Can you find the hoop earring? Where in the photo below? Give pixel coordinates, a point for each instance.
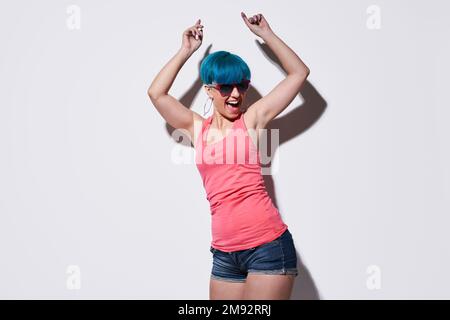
(205, 112)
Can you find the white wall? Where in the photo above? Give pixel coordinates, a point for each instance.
(87, 179)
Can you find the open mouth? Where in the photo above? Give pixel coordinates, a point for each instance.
(233, 103)
(233, 106)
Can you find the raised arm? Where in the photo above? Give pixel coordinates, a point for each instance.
(173, 111)
(269, 106)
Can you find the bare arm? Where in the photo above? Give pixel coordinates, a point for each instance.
(268, 107)
(173, 111)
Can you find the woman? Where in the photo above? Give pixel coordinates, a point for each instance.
(253, 251)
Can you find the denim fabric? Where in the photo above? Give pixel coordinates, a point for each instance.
(275, 257)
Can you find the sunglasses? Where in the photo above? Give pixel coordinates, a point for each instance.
(227, 89)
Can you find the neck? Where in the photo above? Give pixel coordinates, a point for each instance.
(221, 122)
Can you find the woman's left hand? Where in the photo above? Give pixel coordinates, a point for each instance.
(257, 24)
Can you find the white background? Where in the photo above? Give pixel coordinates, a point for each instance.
(87, 178)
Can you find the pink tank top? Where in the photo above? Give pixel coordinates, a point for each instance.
(243, 215)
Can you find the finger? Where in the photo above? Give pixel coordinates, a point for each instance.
(197, 34)
(247, 22)
(200, 34)
(196, 24)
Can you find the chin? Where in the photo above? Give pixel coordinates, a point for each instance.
(235, 111)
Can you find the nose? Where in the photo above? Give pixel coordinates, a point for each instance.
(235, 93)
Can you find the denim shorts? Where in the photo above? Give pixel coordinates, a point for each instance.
(274, 257)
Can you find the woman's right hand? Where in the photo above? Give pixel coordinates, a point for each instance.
(193, 37)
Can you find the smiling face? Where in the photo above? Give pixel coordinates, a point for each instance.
(230, 106)
(217, 72)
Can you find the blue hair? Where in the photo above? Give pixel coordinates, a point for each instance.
(224, 67)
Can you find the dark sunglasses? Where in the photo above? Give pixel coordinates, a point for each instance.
(227, 89)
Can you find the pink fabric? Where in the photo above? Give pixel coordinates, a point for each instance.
(243, 215)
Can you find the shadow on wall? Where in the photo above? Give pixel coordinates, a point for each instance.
(290, 125)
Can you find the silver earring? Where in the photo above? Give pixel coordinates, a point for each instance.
(205, 112)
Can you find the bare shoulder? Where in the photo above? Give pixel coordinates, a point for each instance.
(196, 127)
(250, 118)
(251, 122)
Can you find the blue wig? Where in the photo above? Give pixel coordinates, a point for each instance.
(223, 67)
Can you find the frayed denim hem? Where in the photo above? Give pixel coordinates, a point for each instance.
(289, 271)
(227, 279)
